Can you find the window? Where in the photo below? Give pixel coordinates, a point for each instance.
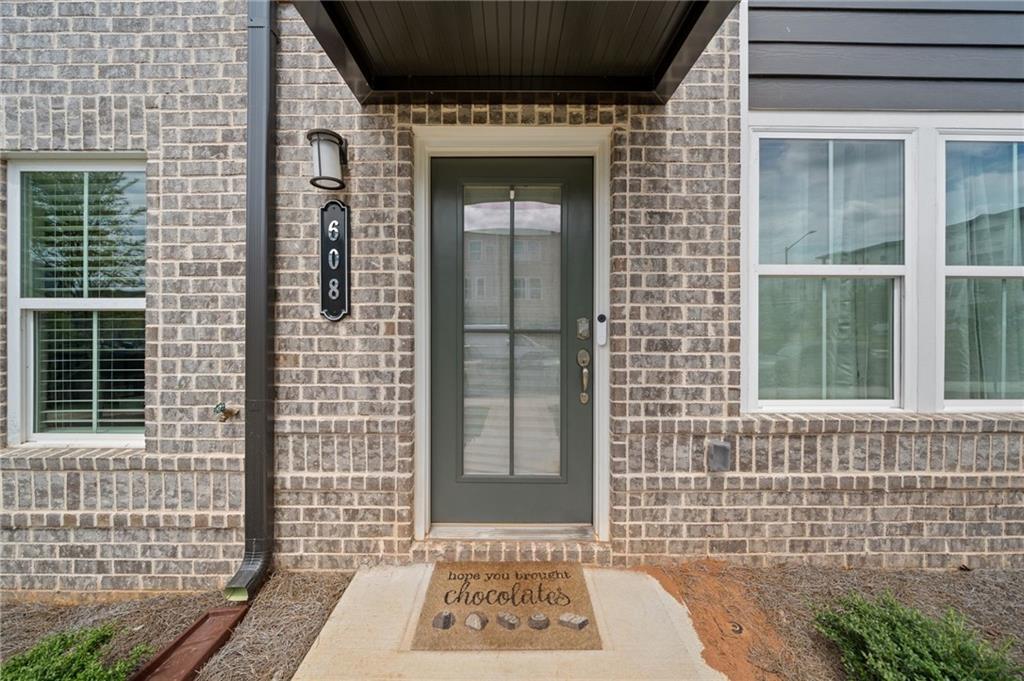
(77, 260)
(883, 262)
(984, 270)
(830, 268)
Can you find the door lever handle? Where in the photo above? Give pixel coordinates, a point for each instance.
(583, 360)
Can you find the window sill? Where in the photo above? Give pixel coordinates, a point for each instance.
(87, 440)
(37, 457)
(764, 423)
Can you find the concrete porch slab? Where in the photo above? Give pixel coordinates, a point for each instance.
(646, 634)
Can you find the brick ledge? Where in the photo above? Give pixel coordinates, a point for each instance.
(36, 458)
(814, 424)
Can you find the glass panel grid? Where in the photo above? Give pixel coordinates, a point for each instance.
(823, 203)
(512, 260)
(984, 314)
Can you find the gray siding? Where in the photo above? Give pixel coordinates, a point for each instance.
(895, 56)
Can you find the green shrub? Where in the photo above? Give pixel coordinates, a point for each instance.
(883, 640)
(72, 656)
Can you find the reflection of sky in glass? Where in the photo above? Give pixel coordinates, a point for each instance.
(984, 201)
(979, 179)
(537, 209)
(864, 211)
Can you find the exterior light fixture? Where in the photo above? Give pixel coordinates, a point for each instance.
(330, 153)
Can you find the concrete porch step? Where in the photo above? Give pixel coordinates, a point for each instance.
(645, 632)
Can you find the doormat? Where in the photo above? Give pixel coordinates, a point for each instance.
(507, 606)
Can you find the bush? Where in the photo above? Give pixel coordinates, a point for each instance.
(883, 640)
(72, 656)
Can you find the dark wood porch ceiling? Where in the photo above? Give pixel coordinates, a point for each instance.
(635, 50)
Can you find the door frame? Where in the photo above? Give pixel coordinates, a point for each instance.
(496, 140)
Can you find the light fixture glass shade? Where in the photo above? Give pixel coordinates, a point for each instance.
(328, 153)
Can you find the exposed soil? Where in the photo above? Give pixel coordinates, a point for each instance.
(774, 608)
(269, 644)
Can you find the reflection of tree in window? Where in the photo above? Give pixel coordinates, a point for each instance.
(84, 238)
(85, 234)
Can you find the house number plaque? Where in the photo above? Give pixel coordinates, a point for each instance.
(334, 260)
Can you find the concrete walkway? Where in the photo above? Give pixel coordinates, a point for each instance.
(646, 634)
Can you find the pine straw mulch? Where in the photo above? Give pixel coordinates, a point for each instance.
(279, 628)
(774, 608)
(268, 645)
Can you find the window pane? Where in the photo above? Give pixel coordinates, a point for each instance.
(831, 202)
(487, 218)
(121, 371)
(485, 403)
(117, 234)
(984, 338)
(89, 371)
(64, 368)
(53, 231)
(984, 203)
(825, 338)
(538, 448)
(538, 257)
(83, 234)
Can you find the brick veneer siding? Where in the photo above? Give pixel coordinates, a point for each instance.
(168, 78)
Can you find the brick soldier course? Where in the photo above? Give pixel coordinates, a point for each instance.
(168, 79)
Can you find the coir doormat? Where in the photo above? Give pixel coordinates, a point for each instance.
(507, 606)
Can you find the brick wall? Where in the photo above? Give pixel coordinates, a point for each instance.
(168, 78)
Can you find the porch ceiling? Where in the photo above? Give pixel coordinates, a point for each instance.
(635, 50)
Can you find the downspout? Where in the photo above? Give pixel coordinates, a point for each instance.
(259, 300)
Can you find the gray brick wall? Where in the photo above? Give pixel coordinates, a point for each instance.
(168, 78)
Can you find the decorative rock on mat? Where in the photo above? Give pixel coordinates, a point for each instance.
(476, 620)
(444, 620)
(508, 620)
(577, 622)
(539, 621)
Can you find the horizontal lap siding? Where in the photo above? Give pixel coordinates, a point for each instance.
(901, 56)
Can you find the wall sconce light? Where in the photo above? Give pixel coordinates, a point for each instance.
(330, 153)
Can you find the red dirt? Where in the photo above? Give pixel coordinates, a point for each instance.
(738, 639)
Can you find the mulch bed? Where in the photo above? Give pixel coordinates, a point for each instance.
(774, 608)
(279, 628)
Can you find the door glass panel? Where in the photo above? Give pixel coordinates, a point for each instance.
(486, 226)
(486, 413)
(537, 404)
(537, 257)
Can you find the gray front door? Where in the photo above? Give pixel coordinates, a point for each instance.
(511, 344)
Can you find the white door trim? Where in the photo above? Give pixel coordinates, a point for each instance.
(484, 140)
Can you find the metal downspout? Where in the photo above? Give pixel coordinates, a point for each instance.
(259, 300)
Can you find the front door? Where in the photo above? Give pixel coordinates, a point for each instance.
(511, 343)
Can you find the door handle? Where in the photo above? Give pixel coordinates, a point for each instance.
(583, 360)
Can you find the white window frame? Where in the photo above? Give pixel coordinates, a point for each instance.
(21, 320)
(919, 355)
(954, 135)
